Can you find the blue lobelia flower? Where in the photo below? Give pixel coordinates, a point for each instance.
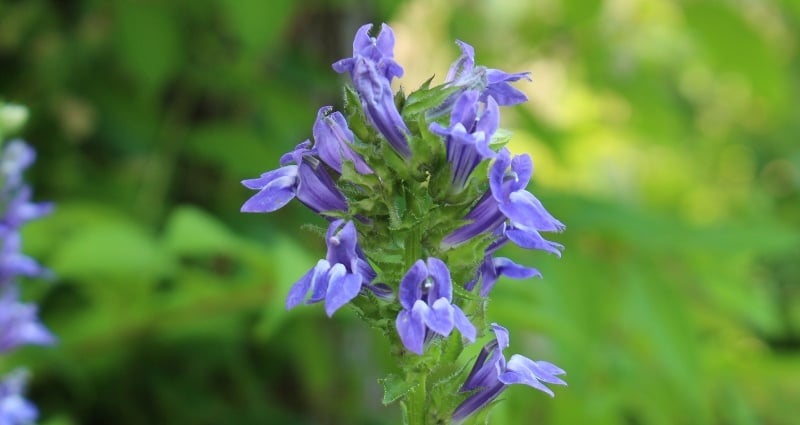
(372, 68)
(491, 374)
(472, 124)
(508, 206)
(426, 294)
(490, 82)
(13, 262)
(493, 267)
(14, 408)
(333, 139)
(19, 324)
(301, 175)
(340, 276)
(378, 50)
(16, 157)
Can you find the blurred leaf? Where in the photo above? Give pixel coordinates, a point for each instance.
(148, 40)
(191, 231)
(116, 250)
(258, 23)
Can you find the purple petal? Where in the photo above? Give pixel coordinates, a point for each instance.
(410, 285)
(269, 176)
(522, 167)
(442, 287)
(484, 217)
(295, 156)
(490, 119)
(465, 110)
(19, 324)
(465, 63)
(439, 317)
(362, 41)
(506, 267)
(272, 197)
(477, 401)
(499, 88)
(523, 208)
(463, 324)
(333, 139)
(319, 282)
(531, 239)
(379, 107)
(341, 242)
(501, 334)
(522, 370)
(14, 408)
(497, 174)
(385, 41)
(317, 190)
(342, 287)
(299, 290)
(411, 330)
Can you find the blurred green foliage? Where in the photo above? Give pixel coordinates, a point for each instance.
(665, 137)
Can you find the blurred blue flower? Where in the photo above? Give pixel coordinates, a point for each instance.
(302, 175)
(491, 374)
(14, 408)
(16, 157)
(19, 324)
(426, 294)
(340, 276)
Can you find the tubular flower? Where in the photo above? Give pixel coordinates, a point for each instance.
(491, 374)
(490, 82)
(508, 201)
(333, 140)
(472, 125)
(372, 68)
(493, 267)
(301, 175)
(378, 50)
(426, 294)
(14, 408)
(339, 277)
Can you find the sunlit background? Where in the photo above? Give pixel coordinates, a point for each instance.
(665, 134)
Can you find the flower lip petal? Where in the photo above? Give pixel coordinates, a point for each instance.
(463, 324)
(342, 287)
(272, 197)
(411, 330)
(439, 317)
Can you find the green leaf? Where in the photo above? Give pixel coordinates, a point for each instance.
(425, 99)
(395, 388)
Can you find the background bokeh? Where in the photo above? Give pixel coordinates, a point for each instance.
(666, 135)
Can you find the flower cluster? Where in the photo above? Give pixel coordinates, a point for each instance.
(419, 193)
(19, 323)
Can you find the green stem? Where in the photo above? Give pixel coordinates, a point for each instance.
(417, 400)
